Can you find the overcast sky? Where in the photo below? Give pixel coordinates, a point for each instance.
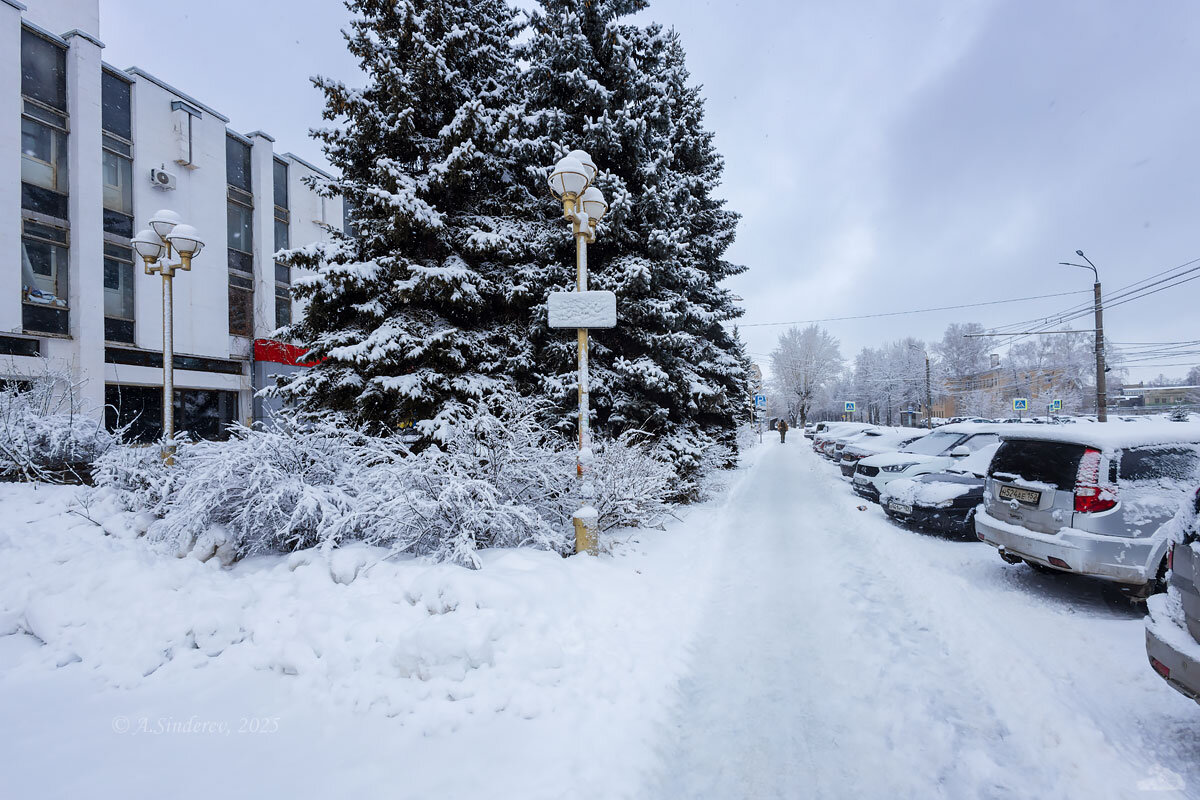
(885, 155)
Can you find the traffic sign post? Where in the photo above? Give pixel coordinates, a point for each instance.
(1056, 405)
(1020, 404)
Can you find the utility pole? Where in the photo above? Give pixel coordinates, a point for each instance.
(1101, 379)
(928, 396)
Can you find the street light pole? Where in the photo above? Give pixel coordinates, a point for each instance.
(583, 206)
(167, 234)
(1101, 378)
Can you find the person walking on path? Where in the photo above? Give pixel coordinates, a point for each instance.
(782, 426)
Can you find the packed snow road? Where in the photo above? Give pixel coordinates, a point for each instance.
(843, 656)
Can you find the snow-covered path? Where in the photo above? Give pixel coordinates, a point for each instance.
(842, 656)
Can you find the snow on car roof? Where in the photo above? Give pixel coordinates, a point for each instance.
(1110, 435)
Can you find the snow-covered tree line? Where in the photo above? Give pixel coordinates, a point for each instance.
(438, 299)
(810, 379)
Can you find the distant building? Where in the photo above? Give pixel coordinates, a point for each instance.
(1162, 396)
(88, 152)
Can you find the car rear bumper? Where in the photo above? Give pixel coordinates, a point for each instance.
(939, 520)
(1112, 558)
(1174, 649)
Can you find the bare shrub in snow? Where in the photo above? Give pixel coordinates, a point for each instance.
(500, 478)
(274, 488)
(45, 433)
(632, 485)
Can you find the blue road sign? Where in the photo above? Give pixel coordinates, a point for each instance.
(760, 401)
(1056, 405)
(850, 406)
(1020, 404)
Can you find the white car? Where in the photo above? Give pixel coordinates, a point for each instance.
(874, 442)
(934, 452)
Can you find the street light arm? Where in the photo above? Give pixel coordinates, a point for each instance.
(1089, 265)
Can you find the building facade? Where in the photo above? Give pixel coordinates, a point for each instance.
(88, 153)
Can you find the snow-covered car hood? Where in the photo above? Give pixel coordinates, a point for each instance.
(887, 459)
(931, 491)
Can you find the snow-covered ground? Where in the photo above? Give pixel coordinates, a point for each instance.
(777, 642)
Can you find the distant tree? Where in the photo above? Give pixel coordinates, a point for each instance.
(1193, 377)
(803, 363)
(962, 356)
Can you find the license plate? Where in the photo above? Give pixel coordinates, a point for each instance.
(861, 479)
(900, 508)
(1020, 495)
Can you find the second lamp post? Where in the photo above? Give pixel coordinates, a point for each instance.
(166, 233)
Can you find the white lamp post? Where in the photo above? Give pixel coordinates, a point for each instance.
(166, 233)
(583, 206)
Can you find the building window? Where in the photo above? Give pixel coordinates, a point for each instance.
(240, 232)
(237, 164)
(202, 413)
(44, 168)
(43, 70)
(117, 155)
(118, 293)
(44, 278)
(283, 273)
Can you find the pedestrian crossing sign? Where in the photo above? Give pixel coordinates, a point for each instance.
(850, 406)
(1056, 405)
(1020, 404)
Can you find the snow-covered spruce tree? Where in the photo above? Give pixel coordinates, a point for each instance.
(420, 313)
(621, 92)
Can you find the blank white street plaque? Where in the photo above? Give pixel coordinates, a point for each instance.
(583, 310)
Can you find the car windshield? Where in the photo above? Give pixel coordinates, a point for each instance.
(932, 444)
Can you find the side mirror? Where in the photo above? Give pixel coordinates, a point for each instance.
(960, 452)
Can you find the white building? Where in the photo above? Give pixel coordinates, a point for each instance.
(88, 153)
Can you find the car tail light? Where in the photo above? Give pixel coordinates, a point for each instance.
(1171, 556)
(1058, 562)
(1090, 496)
(1160, 667)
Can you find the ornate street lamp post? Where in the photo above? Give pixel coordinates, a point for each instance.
(583, 207)
(166, 233)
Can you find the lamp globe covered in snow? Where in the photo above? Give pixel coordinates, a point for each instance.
(583, 205)
(167, 233)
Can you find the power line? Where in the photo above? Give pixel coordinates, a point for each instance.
(913, 311)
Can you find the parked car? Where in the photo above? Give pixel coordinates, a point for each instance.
(1173, 626)
(1089, 499)
(810, 430)
(835, 447)
(874, 442)
(931, 453)
(941, 502)
(835, 430)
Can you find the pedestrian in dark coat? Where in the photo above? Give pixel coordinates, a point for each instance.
(783, 426)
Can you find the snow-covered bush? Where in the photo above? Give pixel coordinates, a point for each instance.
(501, 478)
(280, 487)
(632, 486)
(137, 476)
(45, 434)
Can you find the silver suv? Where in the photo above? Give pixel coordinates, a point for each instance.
(1089, 499)
(1173, 627)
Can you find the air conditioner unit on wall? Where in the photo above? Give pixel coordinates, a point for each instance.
(162, 179)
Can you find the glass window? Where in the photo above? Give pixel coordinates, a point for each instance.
(43, 156)
(1175, 463)
(281, 235)
(118, 282)
(977, 443)
(44, 279)
(43, 70)
(283, 306)
(280, 178)
(237, 164)
(933, 444)
(1056, 463)
(241, 308)
(43, 273)
(118, 183)
(205, 414)
(283, 273)
(114, 96)
(241, 228)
